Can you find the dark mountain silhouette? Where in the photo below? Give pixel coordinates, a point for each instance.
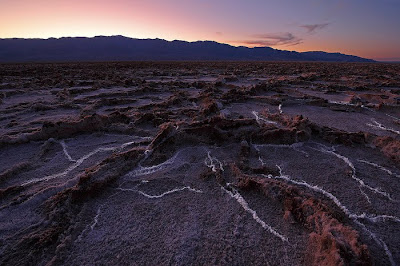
(119, 48)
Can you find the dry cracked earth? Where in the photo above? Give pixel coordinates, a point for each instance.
(200, 163)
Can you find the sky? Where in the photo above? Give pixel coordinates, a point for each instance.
(367, 28)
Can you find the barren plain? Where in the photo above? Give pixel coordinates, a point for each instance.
(184, 163)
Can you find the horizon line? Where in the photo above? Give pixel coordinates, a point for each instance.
(387, 60)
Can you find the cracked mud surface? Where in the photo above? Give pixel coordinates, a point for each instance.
(200, 163)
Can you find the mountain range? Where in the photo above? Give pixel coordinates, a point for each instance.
(120, 48)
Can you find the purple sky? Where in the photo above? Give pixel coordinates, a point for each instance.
(368, 28)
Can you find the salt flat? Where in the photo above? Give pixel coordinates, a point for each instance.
(200, 163)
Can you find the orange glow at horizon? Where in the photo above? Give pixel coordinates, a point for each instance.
(187, 20)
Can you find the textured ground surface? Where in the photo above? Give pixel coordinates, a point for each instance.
(200, 163)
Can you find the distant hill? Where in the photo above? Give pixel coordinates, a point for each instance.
(119, 48)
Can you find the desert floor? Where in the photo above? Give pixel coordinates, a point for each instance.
(189, 163)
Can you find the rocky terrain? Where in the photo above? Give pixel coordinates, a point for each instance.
(200, 163)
